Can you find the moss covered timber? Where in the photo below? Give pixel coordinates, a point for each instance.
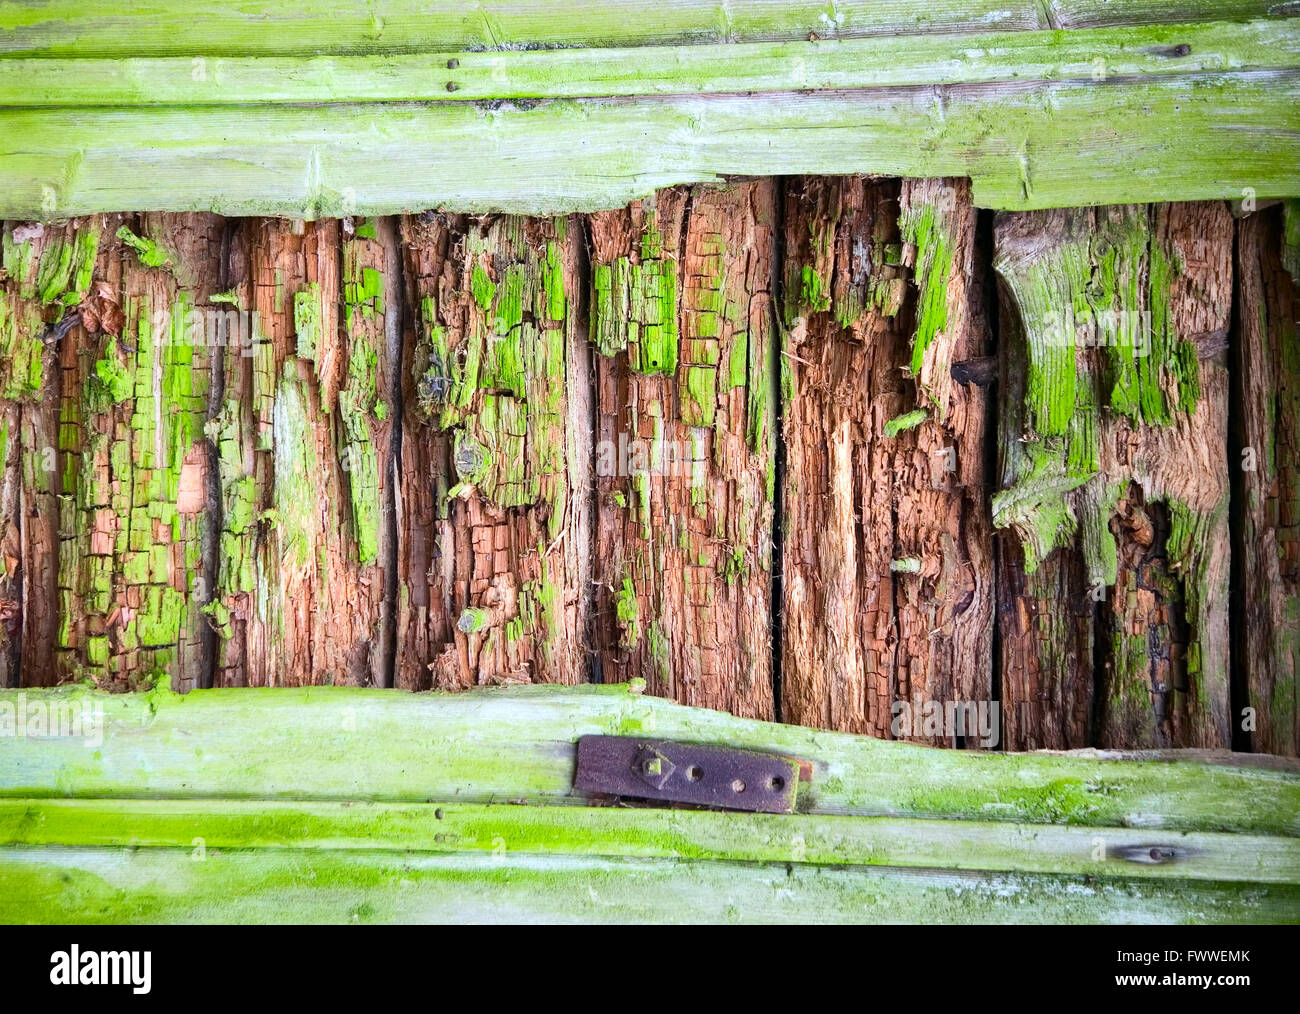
(683, 331)
(886, 565)
(1266, 376)
(303, 449)
(112, 546)
(494, 540)
(1113, 456)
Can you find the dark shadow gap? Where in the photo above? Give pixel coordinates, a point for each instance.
(776, 586)
(1238, 675)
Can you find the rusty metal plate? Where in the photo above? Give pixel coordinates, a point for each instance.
(687, 773)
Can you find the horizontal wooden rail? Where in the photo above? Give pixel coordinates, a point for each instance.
(649, 833)
(195, 884)
(503, 745)
(323, 804)
(1095, 54)
(529, 108)
(312, 27)
(1030, 145)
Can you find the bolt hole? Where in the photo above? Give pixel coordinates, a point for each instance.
(737, 786)
(438, 813)
(695, 772)
(776, 783)
(453, 63)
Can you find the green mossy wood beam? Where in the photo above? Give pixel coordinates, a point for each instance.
(1176, 111)
(261, 806)
(1221, 47)
(362, 27)
(503, 744)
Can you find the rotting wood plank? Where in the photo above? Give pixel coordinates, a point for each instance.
(303, 440)
(1024, 145)
(494, 531)
(133, 576)
(38, 272)
(111, 402)
(1266, 369)
(293, 27)
(684, 334)
(887, 574)
(11, 573)
(1113, 455)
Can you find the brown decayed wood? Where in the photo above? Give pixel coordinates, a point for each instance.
(1266, 371)
(887, 573)
(682, 320)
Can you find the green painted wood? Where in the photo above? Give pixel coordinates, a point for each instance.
(307, 27)
(508, 744)
(1025, 146)
(1261, 44)
(191, 885)
(651, 833)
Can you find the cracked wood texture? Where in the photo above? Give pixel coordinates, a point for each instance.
(302, 432)
(683, 329)
(1267, 378)
(1114, 476)
(494, 522)
(887, 576)
(735, 440)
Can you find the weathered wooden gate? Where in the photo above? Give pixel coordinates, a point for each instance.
(822, 365)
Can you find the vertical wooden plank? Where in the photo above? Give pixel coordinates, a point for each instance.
(1045, 614)
(887, 573)
(1113, 448)
(47, 271)
(11, 573)
(685, 454)
(945, 610)
(493, 535)
(426, 614)
(133, 576)
(364, 418)
(302, 432)
(1266, 371)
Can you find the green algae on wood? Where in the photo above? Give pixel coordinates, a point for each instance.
(494, 521)
(155, 886)
(292, 27)
(728, 68)
(132, 572)
(451, 827)
(494, 745)
(1113, 437)
(1180, 137)
(683, 331)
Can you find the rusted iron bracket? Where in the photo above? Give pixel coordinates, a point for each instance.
(687, 773)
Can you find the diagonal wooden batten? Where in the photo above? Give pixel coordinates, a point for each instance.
(517, 743)
(909, 60)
